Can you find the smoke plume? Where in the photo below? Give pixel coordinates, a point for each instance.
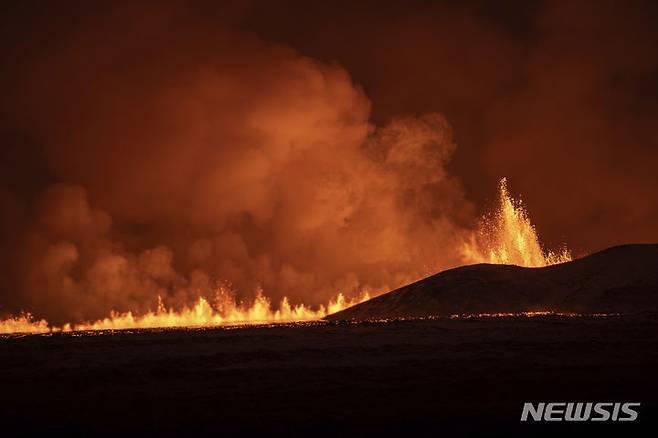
(163, 149)
(176, 158)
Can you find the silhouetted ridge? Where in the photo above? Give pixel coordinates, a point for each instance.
(620, 279)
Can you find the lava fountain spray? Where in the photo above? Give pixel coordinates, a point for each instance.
(505, 236)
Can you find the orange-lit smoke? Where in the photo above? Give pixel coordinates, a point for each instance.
(505, 236)
(174, 159)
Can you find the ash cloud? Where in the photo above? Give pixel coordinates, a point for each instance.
(560, 97)
(159, 149)
(178, 156)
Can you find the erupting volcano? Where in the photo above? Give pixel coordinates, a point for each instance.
(370, 218)
(504, 236)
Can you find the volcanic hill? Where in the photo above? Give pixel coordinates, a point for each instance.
(621, 279)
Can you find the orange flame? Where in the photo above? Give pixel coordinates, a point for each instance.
(201, 314)
(24, 323)
(505, 237)
(508, 237)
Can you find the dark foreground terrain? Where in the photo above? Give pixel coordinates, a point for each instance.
(423, 377)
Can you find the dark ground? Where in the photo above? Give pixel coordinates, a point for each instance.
(423, 377)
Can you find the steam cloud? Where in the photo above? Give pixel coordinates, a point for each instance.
(180, 164)
(160, 149)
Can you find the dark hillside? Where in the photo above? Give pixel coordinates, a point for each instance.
(621, 279)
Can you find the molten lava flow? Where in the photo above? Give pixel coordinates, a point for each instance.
(508, 237)
(203, 314)
(505, 237)
(24, 323)
(224, 311)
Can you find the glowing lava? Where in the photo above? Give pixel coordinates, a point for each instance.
(24, 323)
(508, 237)
(201, 314)
(504, 237)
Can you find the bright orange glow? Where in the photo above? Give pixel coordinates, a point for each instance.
(528, 314)
(508, 237)
(505, 237)
(202, 314)
(24, 323)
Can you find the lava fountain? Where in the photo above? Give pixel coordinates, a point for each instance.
(505, 236)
